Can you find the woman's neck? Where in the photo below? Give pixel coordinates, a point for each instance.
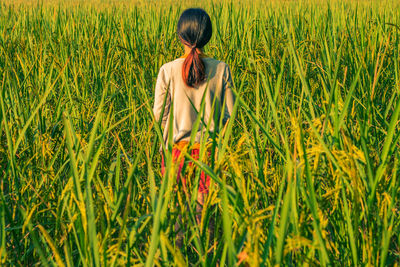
(188, 49)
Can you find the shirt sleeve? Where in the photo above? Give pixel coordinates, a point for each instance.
(162, 94)
(228, 97)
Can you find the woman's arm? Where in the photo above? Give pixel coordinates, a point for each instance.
(162, 95)
(228, 98)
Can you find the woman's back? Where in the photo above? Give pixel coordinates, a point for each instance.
(187, 100)
(188, 89)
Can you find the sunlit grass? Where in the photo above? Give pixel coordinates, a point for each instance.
(306, 171)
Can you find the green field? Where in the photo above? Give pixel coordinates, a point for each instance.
(306, 172)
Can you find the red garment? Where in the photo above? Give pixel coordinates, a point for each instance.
(204, 182)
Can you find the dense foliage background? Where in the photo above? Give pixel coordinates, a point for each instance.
(305, 173)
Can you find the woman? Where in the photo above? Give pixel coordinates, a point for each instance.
(185, 83)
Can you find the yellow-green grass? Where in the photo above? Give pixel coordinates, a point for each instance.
(305, 173)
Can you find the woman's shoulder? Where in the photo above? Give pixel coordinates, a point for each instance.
(210, 62)
(215, 61)
(216, 65)
(169, 66)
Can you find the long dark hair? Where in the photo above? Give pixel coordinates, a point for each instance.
(194, 30)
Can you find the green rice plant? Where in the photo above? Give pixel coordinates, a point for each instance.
(304, 173)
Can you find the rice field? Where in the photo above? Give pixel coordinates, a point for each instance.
(305, 173)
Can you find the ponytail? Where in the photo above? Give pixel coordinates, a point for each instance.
(193, 70)
(194, 30)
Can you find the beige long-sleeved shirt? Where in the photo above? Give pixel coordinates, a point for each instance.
(186, 101)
